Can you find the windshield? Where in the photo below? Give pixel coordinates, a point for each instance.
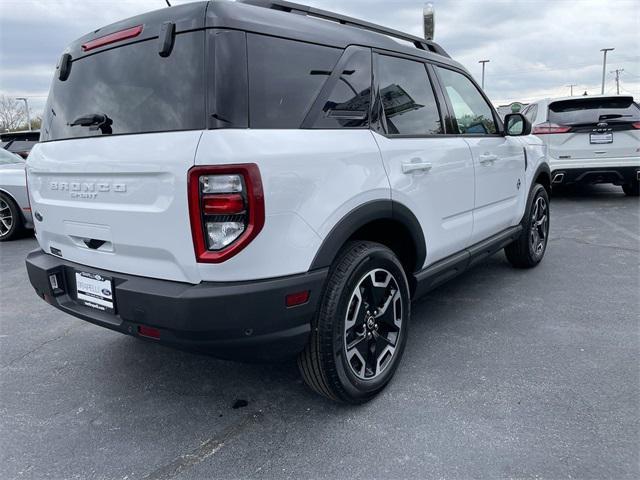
(594, 110)
(7, 158)
(130, 89)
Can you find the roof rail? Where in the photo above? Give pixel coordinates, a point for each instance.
(286, 6)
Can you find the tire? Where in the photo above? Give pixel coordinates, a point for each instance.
(632, 189)
(10, 219)
(365, 277)
(529, 249)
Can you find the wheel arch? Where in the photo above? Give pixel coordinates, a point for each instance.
(543, 177)
(384, 221)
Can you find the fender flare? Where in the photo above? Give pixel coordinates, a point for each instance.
(361, 216)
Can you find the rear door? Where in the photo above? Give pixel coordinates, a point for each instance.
(598, 128)
(113, 194)
(429, 172)
(499, 160)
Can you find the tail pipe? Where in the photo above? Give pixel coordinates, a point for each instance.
(558, 178)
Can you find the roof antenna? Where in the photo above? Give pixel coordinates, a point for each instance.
(429, 21)
(168, 4)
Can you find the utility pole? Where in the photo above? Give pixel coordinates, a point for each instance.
(483, 62)
(26, 106)
(604, 64)
(618, 71)
(571, 87)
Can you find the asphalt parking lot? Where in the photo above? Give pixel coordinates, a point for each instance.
(507, 374)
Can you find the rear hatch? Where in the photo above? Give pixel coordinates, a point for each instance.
(108, 181)
(593, 128)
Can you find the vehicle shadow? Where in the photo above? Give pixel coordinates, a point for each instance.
(574, 191)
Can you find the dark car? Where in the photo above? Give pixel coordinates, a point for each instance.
(20, 143)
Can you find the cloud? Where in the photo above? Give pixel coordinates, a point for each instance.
(536, 48)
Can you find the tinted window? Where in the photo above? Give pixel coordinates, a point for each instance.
(350, 97)
(472, 112)
(21, 146)
(285, 78)
(137, 89)
(408, 100)
(594, 110)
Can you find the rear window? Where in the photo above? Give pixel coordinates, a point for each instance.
(21, 146)
(137, 89)
(285, 77)
(587, 111)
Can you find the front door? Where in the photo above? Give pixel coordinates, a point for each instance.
(499, 160)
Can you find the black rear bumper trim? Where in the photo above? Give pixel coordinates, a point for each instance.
(233, 320)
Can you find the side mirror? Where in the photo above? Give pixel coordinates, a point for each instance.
(516, 125)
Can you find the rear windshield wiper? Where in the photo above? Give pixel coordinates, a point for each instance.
(94, 121)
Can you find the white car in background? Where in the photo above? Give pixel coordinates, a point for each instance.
(15, 213)
(590, 139)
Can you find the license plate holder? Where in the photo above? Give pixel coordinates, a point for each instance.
(601, 138)
(95, 291)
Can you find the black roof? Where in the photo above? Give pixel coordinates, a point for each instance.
(276, 18)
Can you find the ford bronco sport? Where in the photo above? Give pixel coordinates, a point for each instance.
(260, 180)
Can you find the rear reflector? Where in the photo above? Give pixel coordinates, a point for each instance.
(636, 125)
(149, 332)
(223, 204)
(294, 299)
(112, 38)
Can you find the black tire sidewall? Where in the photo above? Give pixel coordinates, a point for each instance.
(375, 257)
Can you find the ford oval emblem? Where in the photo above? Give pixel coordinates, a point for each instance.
(106, 292)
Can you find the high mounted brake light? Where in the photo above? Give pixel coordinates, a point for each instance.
(112, 38)
(549, 128)
(226, 208)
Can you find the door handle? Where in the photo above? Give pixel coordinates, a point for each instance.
(488, 159)
(416, 166)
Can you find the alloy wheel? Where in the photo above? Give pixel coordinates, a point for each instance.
(6, 218)
(373, 324)
(539, 226)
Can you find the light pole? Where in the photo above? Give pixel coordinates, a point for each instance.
(571, 87)
(483, 62)
(26, 106)
(604, 65)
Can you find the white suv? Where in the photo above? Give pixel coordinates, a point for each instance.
(590, 139)
(260, 180)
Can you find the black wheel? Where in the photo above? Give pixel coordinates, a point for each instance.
(529, 249)
(10, 220)
(360, 330)
(632, 189)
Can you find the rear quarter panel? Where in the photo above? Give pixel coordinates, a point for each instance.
(311, 180)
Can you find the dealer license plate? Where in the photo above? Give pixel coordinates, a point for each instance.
(95, 291)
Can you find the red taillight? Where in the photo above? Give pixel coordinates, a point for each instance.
(549, 128)
(112, 38)
(226, 208)
(636, 125)
(149, 332)
(221, 204)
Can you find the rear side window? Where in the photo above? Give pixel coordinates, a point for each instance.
(347, 105)
(135, 88)
(407, 96)
(285, 77)
(472, 112)
(589, 111)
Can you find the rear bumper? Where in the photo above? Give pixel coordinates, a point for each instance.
(236, 320)
(592, 175)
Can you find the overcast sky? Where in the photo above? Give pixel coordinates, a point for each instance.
(536, 47)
